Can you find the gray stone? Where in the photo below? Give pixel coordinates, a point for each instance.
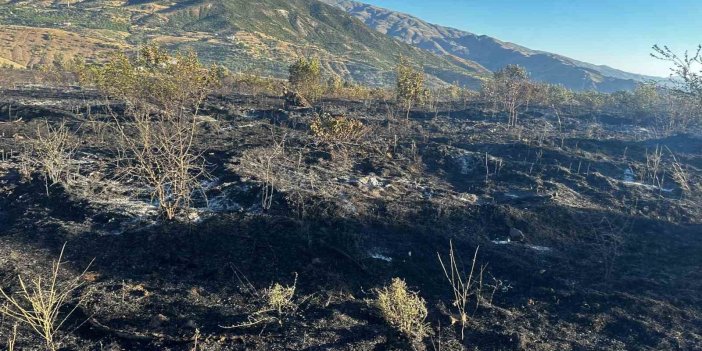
(158, 321)
(516, 235)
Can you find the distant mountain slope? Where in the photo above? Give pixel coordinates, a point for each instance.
(263, 35)
(489, 52)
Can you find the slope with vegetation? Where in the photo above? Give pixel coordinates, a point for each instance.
(149, 201)
(209, 217)
(262, 36)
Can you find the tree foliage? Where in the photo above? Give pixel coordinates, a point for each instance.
(686, 68)
(509, 88)
(686, 72)
(409, 88)
(305, 77)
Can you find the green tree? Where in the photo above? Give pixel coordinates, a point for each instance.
(512, 90)
(305, 77)
(409, 87)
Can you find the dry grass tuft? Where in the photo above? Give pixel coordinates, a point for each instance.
(276, 303)
(465, 287)
(337, 129)
(12, 339)
(39, 302)
(52, 153)
(404, 310)
(280, 298)
(679, 173)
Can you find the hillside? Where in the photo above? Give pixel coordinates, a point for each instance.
(152, 204)
(608, 258)
(490, 52)
(264, 36)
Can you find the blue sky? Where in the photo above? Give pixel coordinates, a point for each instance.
(617, 33)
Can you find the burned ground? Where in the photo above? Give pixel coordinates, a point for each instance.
(610, 260)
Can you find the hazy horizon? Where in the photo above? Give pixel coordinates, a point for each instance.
(603, 32)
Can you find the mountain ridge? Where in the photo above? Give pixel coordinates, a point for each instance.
(356, 41)
(490, 52)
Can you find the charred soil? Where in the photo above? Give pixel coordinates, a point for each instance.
(610, 257)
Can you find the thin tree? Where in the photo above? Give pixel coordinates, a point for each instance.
(513, 90)
(162, 94)
(409, 84)
(686, 68)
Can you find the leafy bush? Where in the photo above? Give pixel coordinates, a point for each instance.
(649, 104)
(251, 83)
(592, 100)
(335, 85)
(355, 91)
(404, 310)
(551, 95)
